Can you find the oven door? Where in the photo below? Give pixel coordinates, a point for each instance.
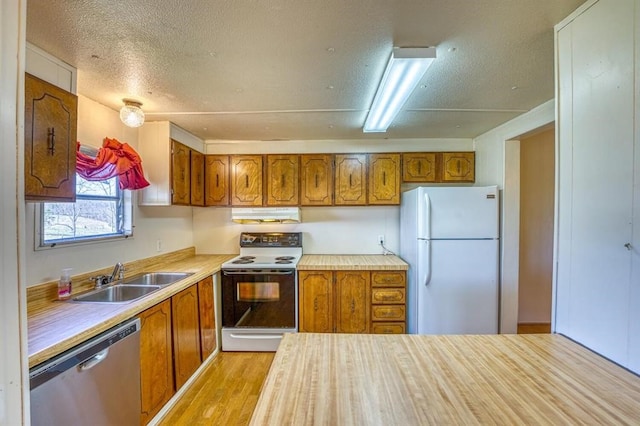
(259, 298)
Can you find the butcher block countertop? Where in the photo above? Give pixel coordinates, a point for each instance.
(335, 262)
(329, 379)
(57, 326)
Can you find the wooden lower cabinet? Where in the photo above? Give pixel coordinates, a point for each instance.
(156, 360)
(207, 318)
(186, 334)
(316, 302)
(352, 301)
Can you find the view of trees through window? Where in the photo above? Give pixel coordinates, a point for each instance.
(97, 212)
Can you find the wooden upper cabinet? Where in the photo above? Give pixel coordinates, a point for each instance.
(186, 334)
(50, 142)
(352, 301)
(156, 360)
(207, 317)
(419, 167)
(216, 180)
(384, 179)
(316, 301)
(351, 179)
(197, 178)
(283, 173)
(180, 174)
(316, 179)
(246, 180)
(458, 167)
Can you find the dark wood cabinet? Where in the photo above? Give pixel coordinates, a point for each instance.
(316, 179)
(283, 180)
(197, 178)
(207, 318)
(316, 301)
(352, 301)
(246, 180)
(419, 167)
(180, 174)
(156, 360)
(216, 180)
(186, 334)
(350, 179)
(384, 179)
(50, 142)
(458, 167)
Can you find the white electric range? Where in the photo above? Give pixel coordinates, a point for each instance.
(260, 292)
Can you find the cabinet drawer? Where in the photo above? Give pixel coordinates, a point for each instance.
(388, 328)
(388, 279)
(388, 295)
(388, 313)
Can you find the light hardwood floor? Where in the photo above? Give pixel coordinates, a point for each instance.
(225, 393)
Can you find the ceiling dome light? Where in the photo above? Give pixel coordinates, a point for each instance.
(131, 114)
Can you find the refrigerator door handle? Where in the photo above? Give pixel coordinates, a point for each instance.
(427, 263)
(427, 201)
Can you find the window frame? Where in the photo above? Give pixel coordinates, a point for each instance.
(125, 215)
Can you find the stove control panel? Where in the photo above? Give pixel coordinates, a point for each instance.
(271, 239)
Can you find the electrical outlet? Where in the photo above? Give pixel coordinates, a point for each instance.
(159, 245)
(380, 239)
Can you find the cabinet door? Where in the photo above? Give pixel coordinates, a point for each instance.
(207, 317)
(419, 167)
(316, 180)
(186, 334)
(156, 360)
(316, 301)
(282, 180)
(246, 180)
(197, 178)
(458, 167)
(351, 179)
(216, 180)
(180, 174)
(352, 301)
(50, 142)
(384, 179)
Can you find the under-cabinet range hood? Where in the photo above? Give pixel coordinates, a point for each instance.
(266, 215)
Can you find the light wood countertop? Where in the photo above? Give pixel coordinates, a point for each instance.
(334, 262)
(61, 325)
(327, 379)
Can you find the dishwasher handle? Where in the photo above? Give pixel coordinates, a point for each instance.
(94, 360)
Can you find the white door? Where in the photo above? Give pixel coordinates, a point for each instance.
(459, 295)
(596, 134)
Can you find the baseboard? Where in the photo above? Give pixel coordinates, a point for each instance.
(534, 328)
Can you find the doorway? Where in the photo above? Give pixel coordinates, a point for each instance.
(537, 194)
(529, 226)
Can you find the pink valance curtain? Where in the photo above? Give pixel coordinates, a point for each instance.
(113, 159)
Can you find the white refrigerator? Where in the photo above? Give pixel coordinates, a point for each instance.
(450, 239)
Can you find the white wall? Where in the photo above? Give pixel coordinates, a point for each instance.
(493, 166)
(171, 225)
(14, 396)
(326, 230)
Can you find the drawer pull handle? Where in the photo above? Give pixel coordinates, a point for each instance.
(384, 178)
(315, 304)
(217, 180)
(316, 180)
(353, 306)
(246, 181)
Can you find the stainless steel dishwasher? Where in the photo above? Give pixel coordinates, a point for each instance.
(94, 383)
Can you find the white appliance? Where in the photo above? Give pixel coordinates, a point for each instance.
(450, 239)
(265, 214)
(259, 291)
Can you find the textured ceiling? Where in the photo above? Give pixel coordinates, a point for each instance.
(305, 69)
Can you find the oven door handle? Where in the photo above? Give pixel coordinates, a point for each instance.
(256, 336)
(257, 272)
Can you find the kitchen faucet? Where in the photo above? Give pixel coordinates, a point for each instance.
(118, 271)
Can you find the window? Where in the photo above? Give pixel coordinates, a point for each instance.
(101, 211)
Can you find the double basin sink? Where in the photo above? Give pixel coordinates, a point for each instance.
(132, 288)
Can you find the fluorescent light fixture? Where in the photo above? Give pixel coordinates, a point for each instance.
(406, 67)
(131, 114)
